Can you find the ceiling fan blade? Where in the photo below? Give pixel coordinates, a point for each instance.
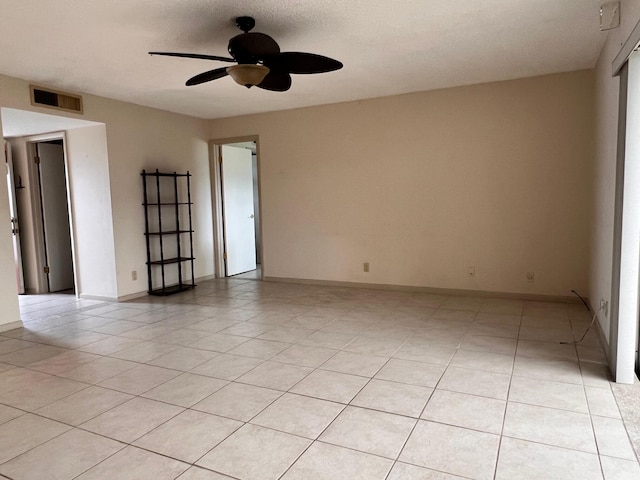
(207, 76)
(304, 63)
(251, 47)
(194, 55)
(276, 81)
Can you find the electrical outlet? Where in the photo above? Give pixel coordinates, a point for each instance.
(604, 307)
(471, 271)
(531, 277)
(134, 275)
(365, 267)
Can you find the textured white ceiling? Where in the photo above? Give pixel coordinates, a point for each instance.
(387, 47)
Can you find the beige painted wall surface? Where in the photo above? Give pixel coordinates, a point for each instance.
(140, 137)
(88, 161)
(422, 186)
(607, 97)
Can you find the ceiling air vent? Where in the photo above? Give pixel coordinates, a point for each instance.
(41, 97)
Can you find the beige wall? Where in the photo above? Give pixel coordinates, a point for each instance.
(607, 96)
(137, 137)
(495, 176)
(88, 162)
(143, 138)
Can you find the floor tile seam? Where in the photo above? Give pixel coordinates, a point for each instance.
(546, 357)
(506, 405)
(84, 428)
(42, 380)
(622, 419)
(251, 422)
(125, 445)
(302, 453)
(237, 380)
(611, 457)
(281, 394)
(546, 379)
(593, 428)
(389, 459)
(148, 449)
(178, 372)
(558, 409)
(433, 469)
(423, 410)
(504, 420)
(377, 410)
(41, 443)
(626, 431)
(562, 447)
(41, 415)
(30, 346)
(345, 407)
(85, 387)
(476, 370)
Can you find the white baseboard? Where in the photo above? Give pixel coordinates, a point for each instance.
(10, 326)
(131, 296)
(136, 295)
(434, 290)
(206, 278)
(86, 296)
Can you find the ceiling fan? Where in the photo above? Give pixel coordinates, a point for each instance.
(259, 61)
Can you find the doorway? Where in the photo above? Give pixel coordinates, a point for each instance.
(54, 211)
(44, 214)
(237, 226)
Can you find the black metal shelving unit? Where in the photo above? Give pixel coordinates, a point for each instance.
(168, 224)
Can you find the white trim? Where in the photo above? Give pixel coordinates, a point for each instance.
(206, 278)
(86, 296)
(216, 200)
(434, 290)
(36, 213)
(10, 326)
(628, 302)
(627, 49)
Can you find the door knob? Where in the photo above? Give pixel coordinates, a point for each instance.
(251, 216)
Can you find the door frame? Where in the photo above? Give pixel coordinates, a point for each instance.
(15, 220)
(216, 201)
(36, 210)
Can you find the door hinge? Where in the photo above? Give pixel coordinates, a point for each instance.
(220, 159)
(46, 269)
(36, 159)
(224, 255)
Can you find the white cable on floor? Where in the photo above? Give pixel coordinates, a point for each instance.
(593, 320)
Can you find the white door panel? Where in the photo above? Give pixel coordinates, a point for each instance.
(237, 195)
(13, 211)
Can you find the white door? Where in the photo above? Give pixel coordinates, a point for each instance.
(13, 211)
(55, 213)
(237, 197)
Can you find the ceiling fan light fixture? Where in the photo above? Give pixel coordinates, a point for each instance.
(248, 75)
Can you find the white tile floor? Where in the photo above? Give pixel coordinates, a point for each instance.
(259, 381)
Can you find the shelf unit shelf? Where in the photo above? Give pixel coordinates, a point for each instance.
(169, 250)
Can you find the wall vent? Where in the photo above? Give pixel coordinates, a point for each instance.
(45, 97)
